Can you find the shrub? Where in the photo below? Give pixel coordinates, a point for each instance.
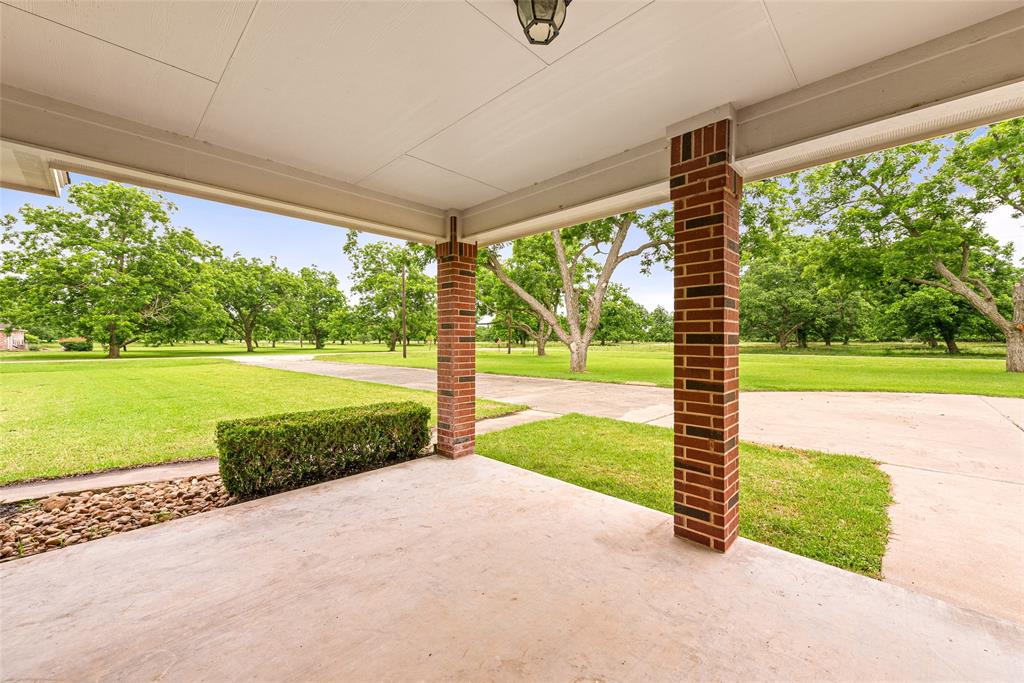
(76, 344)
(264, 455)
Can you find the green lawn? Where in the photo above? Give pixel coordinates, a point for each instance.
(67, 418)
(652, 364)
(830, 508)
(53, 352)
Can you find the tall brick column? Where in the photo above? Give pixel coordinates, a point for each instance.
(456, 347)
(706, 193)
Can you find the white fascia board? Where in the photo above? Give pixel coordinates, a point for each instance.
(968, 78)
(630, 180)
(961, 80)
(70, 138)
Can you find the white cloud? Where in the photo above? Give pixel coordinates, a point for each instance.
(1004, 227)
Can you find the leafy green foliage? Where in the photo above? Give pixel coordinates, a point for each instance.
(264, 455)
(377, 282)
(112, 268)
(76, 344)
(253, 296)
(319, 299)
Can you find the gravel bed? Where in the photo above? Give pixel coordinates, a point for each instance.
(58, 521)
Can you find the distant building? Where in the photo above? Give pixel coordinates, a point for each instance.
(11, 339)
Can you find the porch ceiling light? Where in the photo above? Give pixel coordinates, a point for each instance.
(541, 19)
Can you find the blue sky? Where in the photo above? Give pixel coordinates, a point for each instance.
(297, 243)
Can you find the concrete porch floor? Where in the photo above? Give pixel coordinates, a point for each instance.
(464, 570)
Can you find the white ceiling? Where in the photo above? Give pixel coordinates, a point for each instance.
(443, 102)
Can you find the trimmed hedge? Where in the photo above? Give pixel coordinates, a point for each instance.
(76, 344)
(264, 455)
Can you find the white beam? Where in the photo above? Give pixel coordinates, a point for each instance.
(69, 138)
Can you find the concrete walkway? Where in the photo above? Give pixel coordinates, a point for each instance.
(436, 570)
(956, 462)
(34, 490)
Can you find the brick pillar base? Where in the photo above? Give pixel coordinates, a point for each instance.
(706, 192)
(456, 348)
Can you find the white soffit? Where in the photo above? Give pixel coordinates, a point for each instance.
(196, 36)
(343, 89)
(380, 114)
(50, 59)
(585, 19)
(616, 92)
(429, 184)
(825, 38)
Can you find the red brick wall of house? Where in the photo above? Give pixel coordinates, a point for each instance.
(706, 190)
(456, 348)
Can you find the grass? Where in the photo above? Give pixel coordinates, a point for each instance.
(759, 371)
(58, 419)
(53, 352)
(831, 508)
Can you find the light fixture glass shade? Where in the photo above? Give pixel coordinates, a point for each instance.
(541, 19)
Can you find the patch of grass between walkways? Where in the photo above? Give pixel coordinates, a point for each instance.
(831, 508)
(58, 419)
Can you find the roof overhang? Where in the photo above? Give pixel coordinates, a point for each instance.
(966, 78)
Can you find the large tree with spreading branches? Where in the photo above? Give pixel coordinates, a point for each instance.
(585, 257)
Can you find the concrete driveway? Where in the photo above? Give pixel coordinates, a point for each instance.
(956, 463)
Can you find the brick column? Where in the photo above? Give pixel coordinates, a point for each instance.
(456, 348)
(706, 192)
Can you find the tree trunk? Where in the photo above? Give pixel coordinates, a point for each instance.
(951, 347)
(1015, 337)
(392, 341)
(113, 345)
(248, 342)
(273, 344)
(577, 357)
(1015, 351)
(541, 343)
(801, 338)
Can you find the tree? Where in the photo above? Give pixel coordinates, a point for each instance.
(584, 279)
(252, 294)
(376, 280)
(838, 313)
(927, 313)
(660, 326)
(112, 268)
(778, 299)
(622, 319)
(903, 211)
(530, 265)
(318, 299)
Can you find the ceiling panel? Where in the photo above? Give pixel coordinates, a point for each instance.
(52, 60)
(342, 89)
(826, 38)
(195, 36)
(601, 100)
(584, 20)
(422, 182)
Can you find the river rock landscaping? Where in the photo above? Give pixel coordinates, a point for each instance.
(58, 521)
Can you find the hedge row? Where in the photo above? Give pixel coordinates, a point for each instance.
(264, 455)
(76, 344)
